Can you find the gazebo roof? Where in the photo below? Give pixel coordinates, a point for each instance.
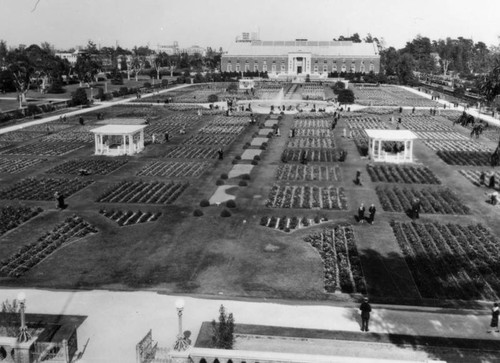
(118, 129)
(391, 135)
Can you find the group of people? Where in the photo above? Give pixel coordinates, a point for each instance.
(371, 213)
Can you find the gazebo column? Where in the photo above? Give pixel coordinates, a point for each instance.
(411, 150)
(96, 137)
(130, 144)
(124, 144)
(141, 140)
(379, 149)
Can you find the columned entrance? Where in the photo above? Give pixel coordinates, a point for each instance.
(299, 63)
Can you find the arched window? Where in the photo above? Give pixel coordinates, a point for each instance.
(229, 67)
(325, 68)
(334, 67)
(237, 67)
(230, 361)
(343, 69)
(203, 360)
(362, 68)
(353, 67)
(315, 68)
(255, 67)
(282, 67)
(372, 67)
(216, 360)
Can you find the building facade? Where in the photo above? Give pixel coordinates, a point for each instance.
(301, 57)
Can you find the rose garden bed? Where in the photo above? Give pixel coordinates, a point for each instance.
(315, 132)
(342, 266)
(312, 124)
(19, 136)
(475, 158)
(43, 188)
(289, 224)
(78, 134)
(451, 261)
(308, 172)
(16, 165)
(129, 217)
(311, 142)
(209, 139)
(44, 149)
(434, 201)
(174, 169)
(313, 155)
(306, 197)
(92, 166)
(401, 174)
(191, 152)
(473, 176)
(439, 135)
(456, 145)
(425, 123)
(11, 217)
(28, 256)
(142, 192)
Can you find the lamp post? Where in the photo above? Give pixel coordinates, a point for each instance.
(181, 342)
(24, 335)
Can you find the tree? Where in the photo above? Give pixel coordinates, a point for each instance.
(223, 331)
(9, 308)
(79, 97)
(346, 96)
(490, 86)
(389, 60)
(405, 69)
(21, 73)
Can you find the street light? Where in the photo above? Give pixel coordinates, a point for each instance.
(24, 335)
(181, 342)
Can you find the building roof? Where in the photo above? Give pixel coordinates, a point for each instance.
(118, 129)
(391, 135)
(320, 48)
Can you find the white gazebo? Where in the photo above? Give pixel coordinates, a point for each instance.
(377, 153)
(114, 140)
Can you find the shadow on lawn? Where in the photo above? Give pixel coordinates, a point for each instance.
(440, 280)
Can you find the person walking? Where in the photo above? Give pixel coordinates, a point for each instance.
(494, 318)
(357, 181)
(372, 211)
(492, 181)
(482, 178)
(361, 213)
(366, 309)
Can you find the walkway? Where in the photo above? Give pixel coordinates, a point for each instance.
(99, 106)
(118, 320)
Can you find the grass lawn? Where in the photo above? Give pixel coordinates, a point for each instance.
(236, 255)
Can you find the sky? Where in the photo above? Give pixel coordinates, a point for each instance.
(216, 23)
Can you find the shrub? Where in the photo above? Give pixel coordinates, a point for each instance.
(287, 229)
(204, 203)
(256, 157)
(346, 96)
(123, 91)
(197, 213)
(147, 85)
(56, 87)
(213, 98)
(234, 162)
(237, 157)
(245, 177)
(225, 213)
(231, 204)
(219, 182)
(317, 219)
(305, 222)
(255, 162)
(243, 183)
(263, 221)
(164, 82)
(79, 97)
(223, 176)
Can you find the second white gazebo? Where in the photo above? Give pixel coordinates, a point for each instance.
(114, 140)
(377, 153)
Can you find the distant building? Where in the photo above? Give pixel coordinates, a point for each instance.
(195, 50)
(168, 49)
(70, 57)
(300, 57)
